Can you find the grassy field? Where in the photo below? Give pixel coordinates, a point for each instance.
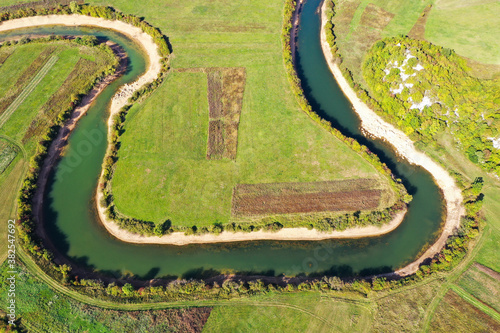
(202, 32)
(456, 315)
(43, 310)
(30, 77)
(482, 286)
(359, 24)
(303, 313)
(162, 172)
(404, 311)
(473, 34)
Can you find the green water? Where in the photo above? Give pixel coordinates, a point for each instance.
(75, 231)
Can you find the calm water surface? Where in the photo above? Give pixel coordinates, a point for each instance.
(74, 229)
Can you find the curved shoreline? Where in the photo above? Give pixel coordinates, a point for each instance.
(179, 238)
(119, 100)
(374, 125)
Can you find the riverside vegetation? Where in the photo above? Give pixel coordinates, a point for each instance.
(147, 211)
(443, 261)
(42, 101)
(351, 45)
(426, 89)
(193, 289)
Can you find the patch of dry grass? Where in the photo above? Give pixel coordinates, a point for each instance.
(225, 100)
(404, 311)
(482, 286)
(288, 198)
(456, 315)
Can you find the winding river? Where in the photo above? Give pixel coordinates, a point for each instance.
(76, 232)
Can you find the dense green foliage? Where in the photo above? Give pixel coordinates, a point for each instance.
(466, 106)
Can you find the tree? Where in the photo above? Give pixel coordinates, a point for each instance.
(74, 7)
(127, 289)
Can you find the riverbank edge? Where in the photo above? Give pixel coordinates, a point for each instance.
(301, 233)
(375, 126)
(119, 100)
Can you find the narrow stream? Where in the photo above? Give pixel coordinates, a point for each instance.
(76, 232)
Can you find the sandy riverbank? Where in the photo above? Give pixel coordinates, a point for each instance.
(178, 238)
(119, 100)
(377, 127)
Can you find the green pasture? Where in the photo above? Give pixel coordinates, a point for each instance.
(162, 172)
(471, 28)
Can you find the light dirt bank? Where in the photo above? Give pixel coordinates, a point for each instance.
(178, 238)
(120, 99)
(375, 126)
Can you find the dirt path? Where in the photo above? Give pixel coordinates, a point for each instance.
(374, 125)
(487, 270)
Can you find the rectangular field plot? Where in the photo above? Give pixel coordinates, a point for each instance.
(225, 88)
(58, 101)
(27, 81)
(309, 197)
(455, 314)
(481, 285)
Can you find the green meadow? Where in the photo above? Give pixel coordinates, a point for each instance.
(162, 172)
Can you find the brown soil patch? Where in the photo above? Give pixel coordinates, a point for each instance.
(233, 87)
(454, 314)
(225, 100)
(375, 17)
(230, 140)
(418, 30)
(487, 270)
(215, 146)
(287, 198)
(214, 80)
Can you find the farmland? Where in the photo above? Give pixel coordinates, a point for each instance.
(42, 309)
(286, 198)
(225, 99)
(428, 305)
(163, 172)
(482, 286)
(41, 80)
(455, 314)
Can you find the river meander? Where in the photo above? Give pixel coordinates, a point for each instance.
(75, 230)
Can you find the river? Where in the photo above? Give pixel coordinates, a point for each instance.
(75, 230)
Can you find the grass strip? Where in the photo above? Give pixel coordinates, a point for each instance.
(474, 301)
(27, 90)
